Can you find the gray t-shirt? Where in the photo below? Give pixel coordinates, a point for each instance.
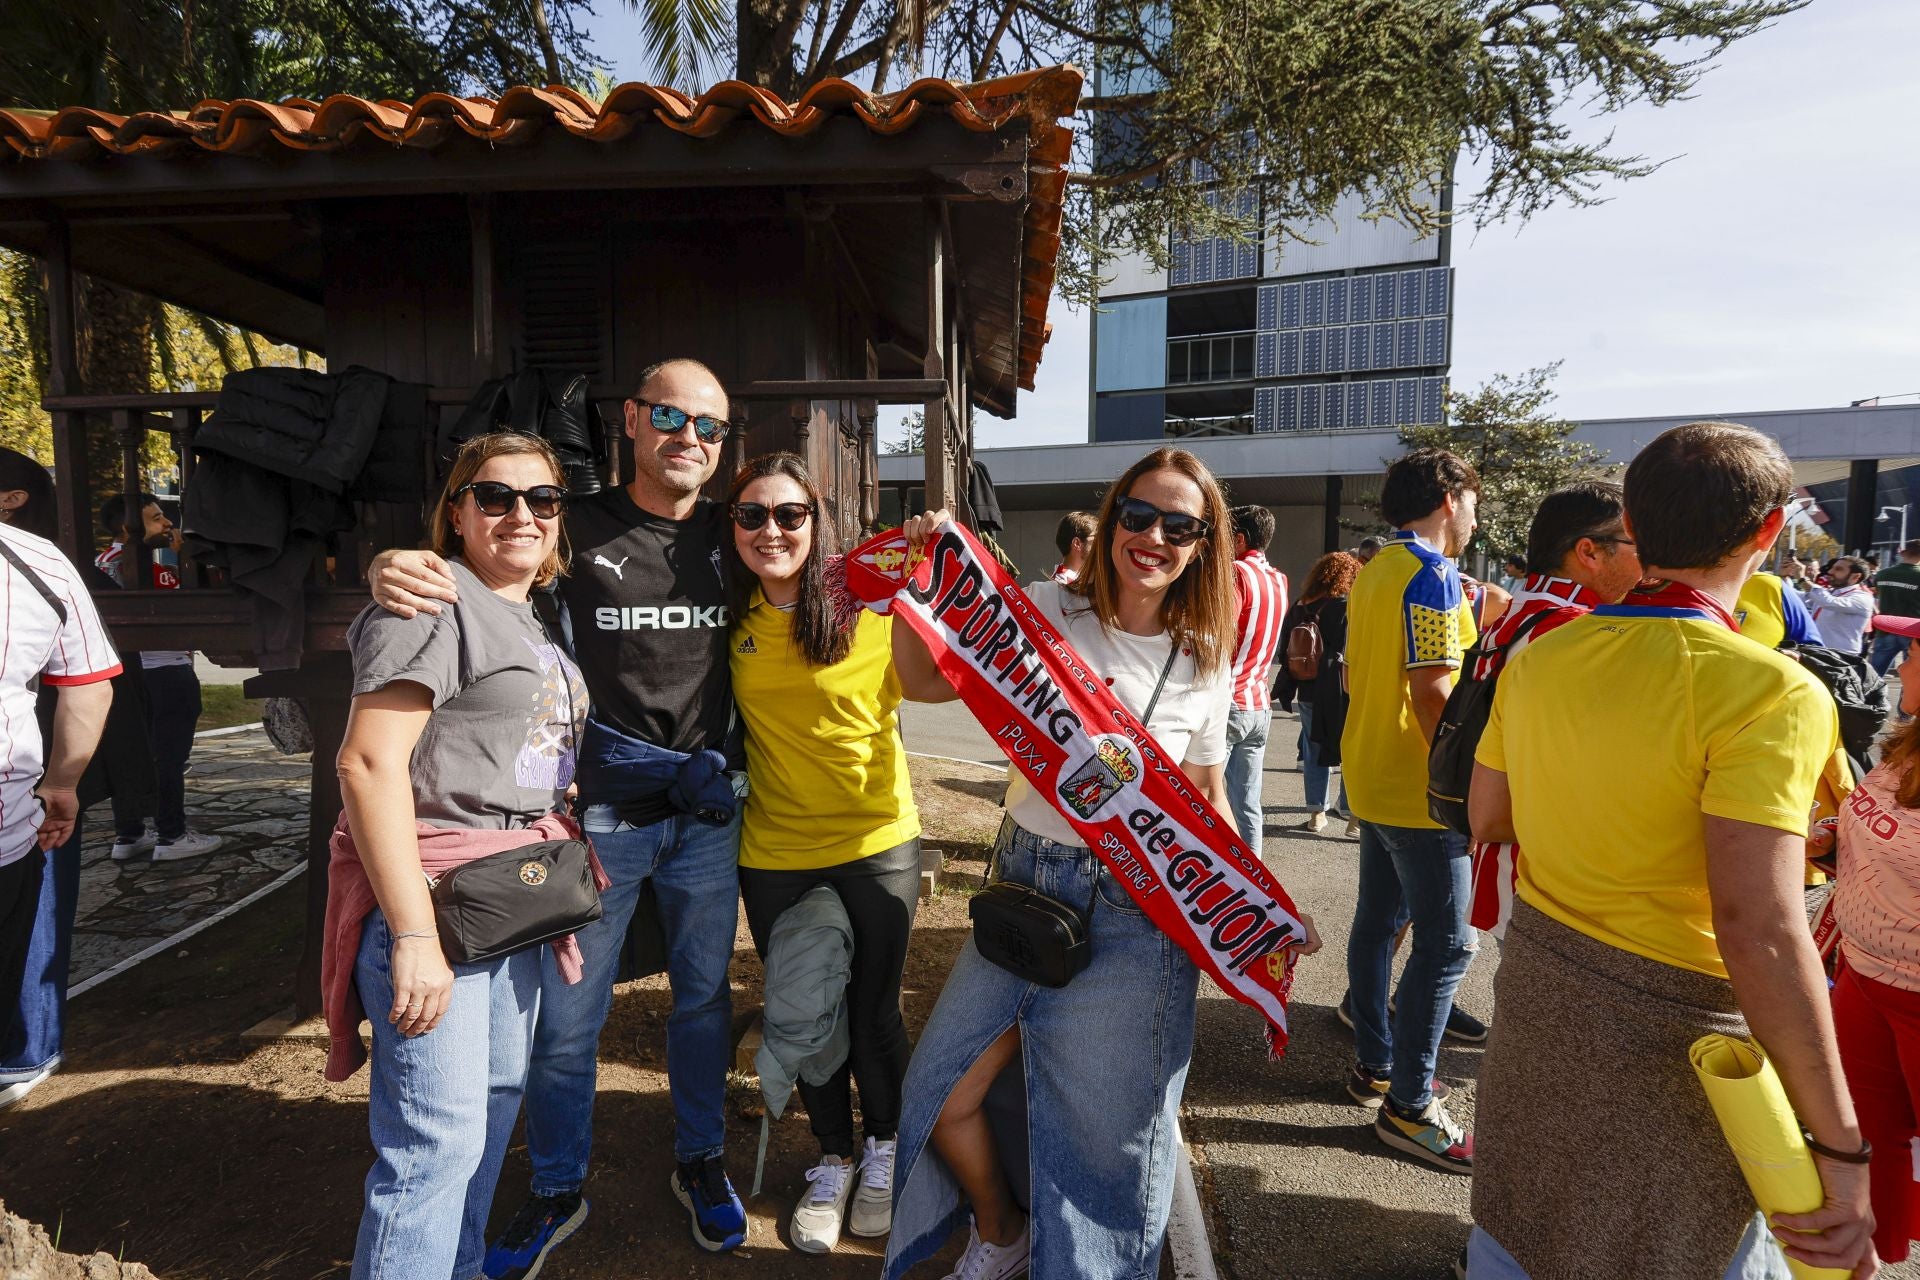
(508, 705)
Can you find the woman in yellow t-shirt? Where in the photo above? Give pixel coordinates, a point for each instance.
(829, 802)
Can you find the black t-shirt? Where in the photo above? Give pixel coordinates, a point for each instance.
(648, 612)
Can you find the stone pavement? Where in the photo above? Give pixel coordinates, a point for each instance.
(239, 788)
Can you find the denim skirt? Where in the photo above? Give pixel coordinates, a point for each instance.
(1087, 1113)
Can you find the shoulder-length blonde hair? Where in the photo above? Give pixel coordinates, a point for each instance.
(1901, 752)
(473, 455)
(1199, 607)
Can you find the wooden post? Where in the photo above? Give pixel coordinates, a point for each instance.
(867, 413)
(136, 563)
(480, 221)
(937, 459)
(63, 377)
(186, 423)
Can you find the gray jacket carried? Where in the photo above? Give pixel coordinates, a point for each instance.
(804, 1020)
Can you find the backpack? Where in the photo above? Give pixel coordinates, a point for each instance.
(1305, 649)
(1457, 736)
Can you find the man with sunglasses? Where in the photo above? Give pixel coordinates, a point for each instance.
(646, 611)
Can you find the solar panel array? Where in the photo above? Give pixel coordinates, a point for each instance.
(1212, 259)
(1339, 406)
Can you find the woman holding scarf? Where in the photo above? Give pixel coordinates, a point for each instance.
(1100, 1063)
(829, 803)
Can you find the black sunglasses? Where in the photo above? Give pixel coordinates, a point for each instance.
(668, 420)
(1179, 528)
(788, 515)
(545, 501)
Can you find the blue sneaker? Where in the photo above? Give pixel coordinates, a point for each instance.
(542, 1223)
(719, 1220)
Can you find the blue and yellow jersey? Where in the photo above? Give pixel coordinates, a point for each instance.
(1407, 610)
(1770, 613)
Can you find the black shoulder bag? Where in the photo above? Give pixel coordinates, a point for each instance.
(1457, 736)
(34, 580)
(1034, 937)
(507, 902)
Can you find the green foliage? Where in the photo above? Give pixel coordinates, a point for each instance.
(1307, 99)
(129, 55)
(1522, 451)
(913, 434)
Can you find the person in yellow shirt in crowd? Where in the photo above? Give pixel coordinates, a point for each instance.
(1770, 611)
(1408, 625)
(1659, 770)
(829, 803)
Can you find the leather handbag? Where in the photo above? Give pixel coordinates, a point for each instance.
(1034, 937)
(507, 902)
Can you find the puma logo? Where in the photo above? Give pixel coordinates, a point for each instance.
(618, 569)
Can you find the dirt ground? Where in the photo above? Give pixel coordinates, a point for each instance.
(169, 1139)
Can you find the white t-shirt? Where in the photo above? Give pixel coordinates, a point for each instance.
(34, 642)
(1189, 722)
(1841, 615)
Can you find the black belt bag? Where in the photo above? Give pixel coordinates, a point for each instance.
(1034, 937)
(507, 902)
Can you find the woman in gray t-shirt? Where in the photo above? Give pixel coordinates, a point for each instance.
(464, 720)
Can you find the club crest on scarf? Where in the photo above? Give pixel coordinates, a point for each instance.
(1061, 727)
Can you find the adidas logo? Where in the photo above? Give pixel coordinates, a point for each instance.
(746, 646)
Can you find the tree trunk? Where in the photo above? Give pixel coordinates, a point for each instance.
(115, 342)
(764, 44)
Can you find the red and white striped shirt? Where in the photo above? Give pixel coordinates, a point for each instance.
(1551, 602)
(1263, 603)
(34, 642)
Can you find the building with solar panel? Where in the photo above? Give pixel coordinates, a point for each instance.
(1341, 324)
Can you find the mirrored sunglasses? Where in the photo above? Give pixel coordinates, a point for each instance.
(668, 420)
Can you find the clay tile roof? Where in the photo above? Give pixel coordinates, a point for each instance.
(1038, 99)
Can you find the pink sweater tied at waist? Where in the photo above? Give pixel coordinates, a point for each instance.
(350, 901)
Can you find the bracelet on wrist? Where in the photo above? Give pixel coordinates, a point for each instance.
(1862, 1156)
(418, 933)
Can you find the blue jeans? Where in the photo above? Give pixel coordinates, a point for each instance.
(696, 876)
(1092, 1102)
(1888, 650)
(1756, 1258)
(1246, 771)
(31, 1041)
(1426, 877)
(441, 1109)
(1318, 776)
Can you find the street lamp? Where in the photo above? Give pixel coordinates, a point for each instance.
(1902, 509)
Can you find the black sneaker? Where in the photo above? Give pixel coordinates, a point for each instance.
(1345, 1011)
(1370, 1090)
(1465, 1028)
(719, 1219)
(542, 1223)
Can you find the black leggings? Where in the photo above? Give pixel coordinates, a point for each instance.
(881, 893)
(20, 908)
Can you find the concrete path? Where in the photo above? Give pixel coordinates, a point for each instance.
(239, 788)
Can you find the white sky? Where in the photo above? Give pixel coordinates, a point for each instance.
(1773, 264)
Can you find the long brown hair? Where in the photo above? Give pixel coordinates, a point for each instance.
(820, 635)
(1902, 751)
(473, 455)
(1199, 606)
(1332, 575)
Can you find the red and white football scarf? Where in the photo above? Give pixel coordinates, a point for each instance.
(1092, 759)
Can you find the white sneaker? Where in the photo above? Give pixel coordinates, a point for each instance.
(872, 1212)
(125, 849)
(1315, 823)
(983, 1261)
(816, 1219)
(21, 1088)
(1353, 828)
(191, 845)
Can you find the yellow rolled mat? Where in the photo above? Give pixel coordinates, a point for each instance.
(1760, 1126)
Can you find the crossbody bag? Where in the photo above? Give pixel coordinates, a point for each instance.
(507, 902)
(1034, 936)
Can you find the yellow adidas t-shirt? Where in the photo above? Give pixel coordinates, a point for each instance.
(1618, 735)
(826, 771)
(1406, 610)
